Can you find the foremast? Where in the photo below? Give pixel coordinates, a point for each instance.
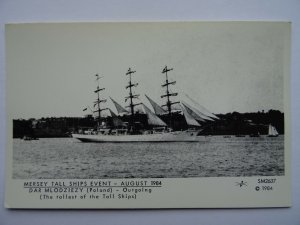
(168, 94)
(131, 97)
(99, 100)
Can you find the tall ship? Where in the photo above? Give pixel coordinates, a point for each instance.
(175, 121)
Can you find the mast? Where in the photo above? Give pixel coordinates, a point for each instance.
(131, 96)
(99, 101)
(168, 94)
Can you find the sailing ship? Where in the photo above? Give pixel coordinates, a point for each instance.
(272, 132)
(157, 126)
(29, 138)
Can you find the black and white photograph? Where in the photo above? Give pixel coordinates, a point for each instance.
(148, 100)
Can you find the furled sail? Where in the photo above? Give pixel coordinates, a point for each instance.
(190, 120)
(175, 107)
(157, 109)
(139, 109)
(201, 108)
(107, 113)
(153, 119)
(104, 113)
(119, 108)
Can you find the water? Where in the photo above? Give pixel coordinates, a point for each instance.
(214, 156)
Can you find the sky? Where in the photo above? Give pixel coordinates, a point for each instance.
(225, 66)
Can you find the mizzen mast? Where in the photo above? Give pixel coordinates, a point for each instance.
(131, 97)
(99, 100)
(168, 94)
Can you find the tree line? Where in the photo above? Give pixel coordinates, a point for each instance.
(234, 123)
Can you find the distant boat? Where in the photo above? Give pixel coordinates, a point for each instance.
(240, 135)
(227, 136)
(28, 138)
(272, 131)
(255, 135)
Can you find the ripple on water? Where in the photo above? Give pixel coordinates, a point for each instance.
(67, 158)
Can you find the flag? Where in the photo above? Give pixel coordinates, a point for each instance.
(97, 77)
(165, 70)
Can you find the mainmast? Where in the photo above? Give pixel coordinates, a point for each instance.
(99, 101)
(131, 96)
(168, 94)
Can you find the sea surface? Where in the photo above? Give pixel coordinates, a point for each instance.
(212, 156)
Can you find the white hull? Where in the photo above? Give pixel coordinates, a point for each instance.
(177, 136)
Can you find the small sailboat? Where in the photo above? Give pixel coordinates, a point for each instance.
(272, 131)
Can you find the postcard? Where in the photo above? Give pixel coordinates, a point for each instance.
(148, 115)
